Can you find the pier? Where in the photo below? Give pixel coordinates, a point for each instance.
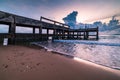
(60, 30)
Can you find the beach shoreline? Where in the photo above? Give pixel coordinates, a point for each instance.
(34, 63)
(116, 70)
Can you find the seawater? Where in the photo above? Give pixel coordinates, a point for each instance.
(105, 51)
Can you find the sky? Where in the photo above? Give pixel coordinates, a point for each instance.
(88, 10)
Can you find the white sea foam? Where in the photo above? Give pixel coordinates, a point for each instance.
(89, 42)
(105, 52)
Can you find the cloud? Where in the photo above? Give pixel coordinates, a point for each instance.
(88, 9)
(71, 19)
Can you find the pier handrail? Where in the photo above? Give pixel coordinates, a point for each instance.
(54, 21)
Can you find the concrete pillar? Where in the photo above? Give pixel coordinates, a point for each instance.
(54, 34)
(33, 30)
(40, 33)
(73, 34)
(97, 34)
(40, 30)
(84, 35)
(77, 34)
(87, 35)
(47, 34)
(33, 36)
(68, 35)
(12, 28)
(63, 34)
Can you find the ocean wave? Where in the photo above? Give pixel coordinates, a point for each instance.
(108, 56)
(89, 42)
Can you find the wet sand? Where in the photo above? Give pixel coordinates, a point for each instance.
(35, 63)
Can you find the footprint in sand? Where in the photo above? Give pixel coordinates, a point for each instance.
(38, 64)
(22, 63)
(5, 65)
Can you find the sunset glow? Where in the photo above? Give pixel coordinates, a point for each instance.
(88, 10)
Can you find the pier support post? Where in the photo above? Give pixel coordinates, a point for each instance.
(40, 33)
(47, 34)
(77, 34)
(68, 34)
(60, 34)
(97, 33)
(12, 28)
(33, 36)
(54, 33)
(33, 30)
(63, 34)
(87, 35)
(40, 30)
(84, 35)
(73, 35)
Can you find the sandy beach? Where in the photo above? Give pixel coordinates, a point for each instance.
(35, 63)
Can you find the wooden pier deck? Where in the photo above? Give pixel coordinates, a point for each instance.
(60, 30)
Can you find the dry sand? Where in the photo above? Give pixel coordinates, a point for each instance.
(30, 63)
